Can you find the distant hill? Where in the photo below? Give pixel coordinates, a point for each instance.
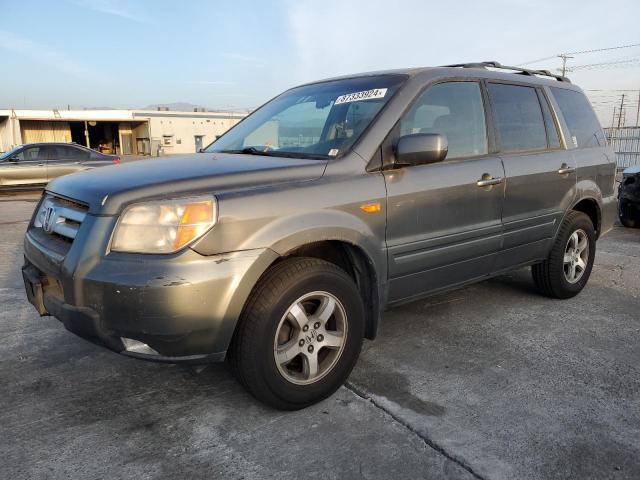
(176, 106)
(188, 107)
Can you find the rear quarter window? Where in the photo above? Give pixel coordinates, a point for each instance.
(583, 124)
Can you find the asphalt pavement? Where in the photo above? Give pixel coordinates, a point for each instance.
(493, 381)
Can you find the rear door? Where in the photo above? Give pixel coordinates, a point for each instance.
(443, 228)
(26, 167)
(594, 160)
(540, 172)
(66, 159)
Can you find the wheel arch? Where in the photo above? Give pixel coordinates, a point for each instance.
(357, 263)
(590, 207)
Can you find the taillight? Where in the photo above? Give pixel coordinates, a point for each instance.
(116, 161)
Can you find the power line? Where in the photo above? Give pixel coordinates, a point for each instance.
(537, 61)
(605, 49)
(579, 53)
(603, 64)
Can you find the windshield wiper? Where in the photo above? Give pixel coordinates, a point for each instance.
(276, 153)
(248, 151)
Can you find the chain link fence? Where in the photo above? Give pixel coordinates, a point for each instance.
(625, 141)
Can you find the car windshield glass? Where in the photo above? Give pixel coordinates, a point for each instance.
(8, 153)
(321, 120)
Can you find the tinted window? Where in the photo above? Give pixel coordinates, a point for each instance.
(453, 109)
(32, 154)
(581, 120)
(553, 139)
(70, 154)
(518, 118)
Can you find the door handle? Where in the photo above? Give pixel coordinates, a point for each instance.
(487, 181)
(564, 169)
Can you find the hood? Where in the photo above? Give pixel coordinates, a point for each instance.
(106, 189)
(633, 170)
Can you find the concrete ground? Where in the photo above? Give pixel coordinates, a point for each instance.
(493, 381)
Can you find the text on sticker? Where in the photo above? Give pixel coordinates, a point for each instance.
(357, 96)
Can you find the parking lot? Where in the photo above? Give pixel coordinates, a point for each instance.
(493, 381)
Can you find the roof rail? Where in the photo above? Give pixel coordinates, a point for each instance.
(518, 70)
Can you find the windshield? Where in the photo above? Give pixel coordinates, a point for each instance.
(9, 153)
(321, 120)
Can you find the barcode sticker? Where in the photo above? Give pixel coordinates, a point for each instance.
(357, 96)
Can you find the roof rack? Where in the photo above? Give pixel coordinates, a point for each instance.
(518, 70)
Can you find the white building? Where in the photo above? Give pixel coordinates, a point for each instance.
(124, 132)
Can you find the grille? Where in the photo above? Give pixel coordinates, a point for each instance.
(57, 222)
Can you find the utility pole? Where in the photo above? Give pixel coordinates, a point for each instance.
(613, 118)
(564, 58)
(621, 108)
(638, 111)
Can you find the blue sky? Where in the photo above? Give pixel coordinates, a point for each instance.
(233, 54)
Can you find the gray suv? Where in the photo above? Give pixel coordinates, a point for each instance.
(278, 247)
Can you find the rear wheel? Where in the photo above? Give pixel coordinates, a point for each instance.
(566, 270)
(300, 334)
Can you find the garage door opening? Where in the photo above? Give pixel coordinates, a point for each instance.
(103, 136)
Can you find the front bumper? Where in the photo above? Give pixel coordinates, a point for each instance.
(184, 307)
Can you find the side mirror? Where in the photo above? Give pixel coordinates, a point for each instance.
(421, 149)
(13, 159)
(201, 150)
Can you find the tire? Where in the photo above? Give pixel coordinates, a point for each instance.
(553, 276)
(626, 214)
(628, 222)
(271, 329)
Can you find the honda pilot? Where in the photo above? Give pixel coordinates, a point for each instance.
(278, 247)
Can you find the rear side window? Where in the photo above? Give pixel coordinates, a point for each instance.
(518, 118)
(70, 154)
(581, 120)
(454, 109)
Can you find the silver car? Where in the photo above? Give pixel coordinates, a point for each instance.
(35, 164)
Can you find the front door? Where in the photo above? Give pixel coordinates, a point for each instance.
(26, 167)
(444, 227)
(198, 139)
(541, 176)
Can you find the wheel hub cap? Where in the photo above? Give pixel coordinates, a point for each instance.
(310, 338)
(576, 256)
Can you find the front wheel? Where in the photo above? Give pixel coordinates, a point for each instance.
(628, 214)
(300, 334)
(566, 270)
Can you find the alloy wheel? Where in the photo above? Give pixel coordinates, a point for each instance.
(310, 338)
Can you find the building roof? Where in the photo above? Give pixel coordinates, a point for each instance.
(110, 115)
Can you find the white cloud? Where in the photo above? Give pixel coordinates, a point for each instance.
(349, 37)
(45, 55)
(116, 8)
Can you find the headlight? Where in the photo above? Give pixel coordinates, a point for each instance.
(163, 226)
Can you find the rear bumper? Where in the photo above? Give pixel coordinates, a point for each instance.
(180, 308)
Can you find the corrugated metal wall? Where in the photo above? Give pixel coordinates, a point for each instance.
(625, 141)
(35, 131)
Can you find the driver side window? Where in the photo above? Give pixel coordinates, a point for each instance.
(32, 154)
(453, 109)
